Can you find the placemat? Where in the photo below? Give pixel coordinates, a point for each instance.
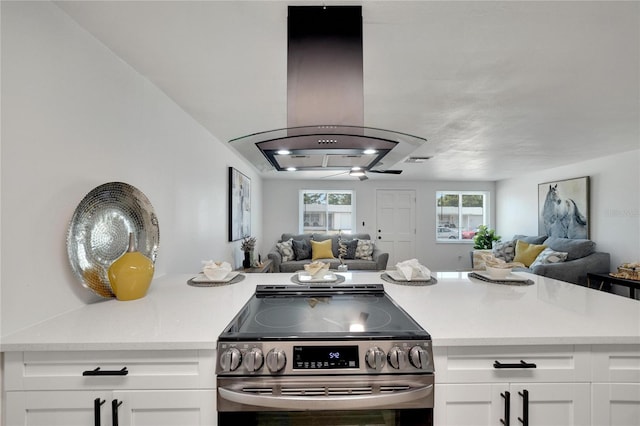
(235, 279)
(339, 279)
(386, 277)
(506, 282)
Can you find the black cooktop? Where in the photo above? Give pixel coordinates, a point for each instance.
(293, 312)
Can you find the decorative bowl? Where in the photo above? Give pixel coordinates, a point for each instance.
(216, 271)
(498, 273)
(316, 269)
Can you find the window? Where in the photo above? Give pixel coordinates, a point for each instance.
(327, 211)
(459, 213)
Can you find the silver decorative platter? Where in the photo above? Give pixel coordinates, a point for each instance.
(99, 232)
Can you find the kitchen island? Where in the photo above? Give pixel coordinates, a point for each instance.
(585, 345)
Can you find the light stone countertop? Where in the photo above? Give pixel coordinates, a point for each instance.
(457, 311)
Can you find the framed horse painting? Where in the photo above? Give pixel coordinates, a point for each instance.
(563, 208)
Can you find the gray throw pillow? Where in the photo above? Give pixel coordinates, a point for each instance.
(576, 248)
(364, 250)
(350, 247)
(536, 239)
(286, 250)
(505, 251)
(301, 249)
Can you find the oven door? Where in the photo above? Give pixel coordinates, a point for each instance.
(326, 400)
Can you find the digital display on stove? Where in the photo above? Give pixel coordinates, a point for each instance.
(325, 357)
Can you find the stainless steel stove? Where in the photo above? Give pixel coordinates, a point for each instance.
(295, 353)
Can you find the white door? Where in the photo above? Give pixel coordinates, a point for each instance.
(396, 224)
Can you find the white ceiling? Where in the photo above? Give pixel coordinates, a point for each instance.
(497, 88)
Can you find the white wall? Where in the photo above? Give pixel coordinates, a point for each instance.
(281, 214)
(614, 203)
(75, 116)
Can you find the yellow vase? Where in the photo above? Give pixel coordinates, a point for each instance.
(130, 275)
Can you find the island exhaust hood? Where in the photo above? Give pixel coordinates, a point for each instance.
(325, 102)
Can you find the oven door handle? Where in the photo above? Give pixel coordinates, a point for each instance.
(341, 402)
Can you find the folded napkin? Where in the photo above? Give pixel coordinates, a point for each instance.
(216, 270)
(412, 269)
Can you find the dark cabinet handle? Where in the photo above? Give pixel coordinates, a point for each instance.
(97, 372)
(521, 364)
(379, 237)
(507, 408)
(525, 407)
(114, 411)
(96, 411)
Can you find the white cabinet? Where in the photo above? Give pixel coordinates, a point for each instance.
(616, 385)
(109, 388)
(124, 408)
(521, 403)
(512, 385)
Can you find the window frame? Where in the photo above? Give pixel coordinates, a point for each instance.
(486, 216)
(301, 210)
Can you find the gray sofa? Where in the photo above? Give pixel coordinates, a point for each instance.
(378, 262)
(582, 258)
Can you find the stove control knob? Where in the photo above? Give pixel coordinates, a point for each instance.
(375, 358)
(253, 359)
(397, 358)
(276, 360)
(230, 359)
(419, 357)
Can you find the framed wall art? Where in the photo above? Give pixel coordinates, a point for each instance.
(563, 208)
(239, 205)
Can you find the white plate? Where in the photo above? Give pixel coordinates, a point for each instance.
(510, 277)
(400, 277)
(202, 278)
(305, 277)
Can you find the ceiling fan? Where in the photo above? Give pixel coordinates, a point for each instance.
(361, 173)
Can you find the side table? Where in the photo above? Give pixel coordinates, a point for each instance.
(606, 278)
(265, 266)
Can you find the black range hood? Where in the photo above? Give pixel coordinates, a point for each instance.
(325, 101)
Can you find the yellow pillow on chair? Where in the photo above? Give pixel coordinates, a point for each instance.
(321, 250)
(526, 253)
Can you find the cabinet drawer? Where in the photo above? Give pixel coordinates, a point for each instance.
(109, 370)
(616, 363)
(514, 363)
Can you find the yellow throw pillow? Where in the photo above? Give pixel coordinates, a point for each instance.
(526, 253)
(322, 250)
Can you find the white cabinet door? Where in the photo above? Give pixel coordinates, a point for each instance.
(549, 404)
(134, 408)
(51, 408)
(469, 404)
(166, 408)
(616, 404)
